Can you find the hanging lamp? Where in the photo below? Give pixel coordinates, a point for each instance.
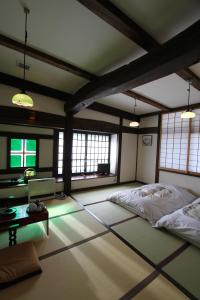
(22, 98)
(134, 123)
(188, 113)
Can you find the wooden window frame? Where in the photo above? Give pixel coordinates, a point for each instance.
(177, 171)
(93, 133)
(25, 137)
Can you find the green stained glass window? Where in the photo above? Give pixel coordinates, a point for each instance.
(30, 160)
(15, 161)
(22, 153)
(16, 144)
(31, 145)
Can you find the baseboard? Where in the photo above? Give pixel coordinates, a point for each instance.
(101, 186)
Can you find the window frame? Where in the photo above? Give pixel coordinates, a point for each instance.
(24, 137)
(173, 170)
(85, 159)
(56, 153)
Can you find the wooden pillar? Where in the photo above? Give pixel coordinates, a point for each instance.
(119, 150)
(68, 134)
(158, 148)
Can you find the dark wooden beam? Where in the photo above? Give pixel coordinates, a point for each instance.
(67, 162)
(113, 111)
(33, 87)
(182, 108)
(119, 151)
(146, 100)
(21, 116)
(188, 75)
(158, 149)
(44, 57)
(101, 126)
(181, 51)
(117, 19)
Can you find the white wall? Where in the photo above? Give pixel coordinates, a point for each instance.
(146, 163)
(151, 121)
(3, 152)
(128, 157)
(114, 153)
(80, 184)
(185, 181)
(95, 115)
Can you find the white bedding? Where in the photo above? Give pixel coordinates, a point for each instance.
(185, 222)
(153, 201)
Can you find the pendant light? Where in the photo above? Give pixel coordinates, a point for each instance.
(188, 113)
(22, 98)
(134, 123)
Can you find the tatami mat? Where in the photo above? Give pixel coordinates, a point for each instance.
(153, 243)
(59, 207)
(185, 269)
(100, 194)
(103, 268)
(160, 289)
(109, 212)
(63, 231)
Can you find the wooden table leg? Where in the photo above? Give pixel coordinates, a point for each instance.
(13, 235)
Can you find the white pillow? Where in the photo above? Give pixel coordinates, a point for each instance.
(152, 206)
(183, 224)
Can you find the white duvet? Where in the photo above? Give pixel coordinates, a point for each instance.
(185, 222)
(153, 201)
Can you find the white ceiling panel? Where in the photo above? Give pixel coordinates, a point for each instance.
(162, 19)
(170, 90)
(68, 30)
(126, 103)
(196, 69)
(39, 72)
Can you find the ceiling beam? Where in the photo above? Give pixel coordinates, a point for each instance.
(146, 100)
(181, 51)
(44, 57)
(50, 92)
(33, 87)
(113, 111)
(117, 19)
(39, 55)
(188, 75)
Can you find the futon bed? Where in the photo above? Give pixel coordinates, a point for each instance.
(168, 206)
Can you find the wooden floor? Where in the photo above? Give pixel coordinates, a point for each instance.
(102, 251)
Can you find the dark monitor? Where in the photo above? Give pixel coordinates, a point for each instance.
(103, 168)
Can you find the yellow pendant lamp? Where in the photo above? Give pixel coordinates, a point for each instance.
(134, 123)
(188, 113)
(22, 99)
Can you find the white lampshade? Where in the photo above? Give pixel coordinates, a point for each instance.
(22, 99)
(134, 124)
(188, 114)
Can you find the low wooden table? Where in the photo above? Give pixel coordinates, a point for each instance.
(22, 218)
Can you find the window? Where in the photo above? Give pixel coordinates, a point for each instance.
(89, 150)
(180, 143)
(23, 153)
(60, 152)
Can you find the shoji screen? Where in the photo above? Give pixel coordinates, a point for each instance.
(174, 142)
(194, 153)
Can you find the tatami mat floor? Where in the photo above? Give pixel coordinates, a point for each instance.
(102, 251)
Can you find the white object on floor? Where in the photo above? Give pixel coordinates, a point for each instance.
(183, 223)
(153, 201)
(41, 187)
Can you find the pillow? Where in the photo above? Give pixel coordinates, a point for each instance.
(18, 262)
(165, 200)
(184, 223)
